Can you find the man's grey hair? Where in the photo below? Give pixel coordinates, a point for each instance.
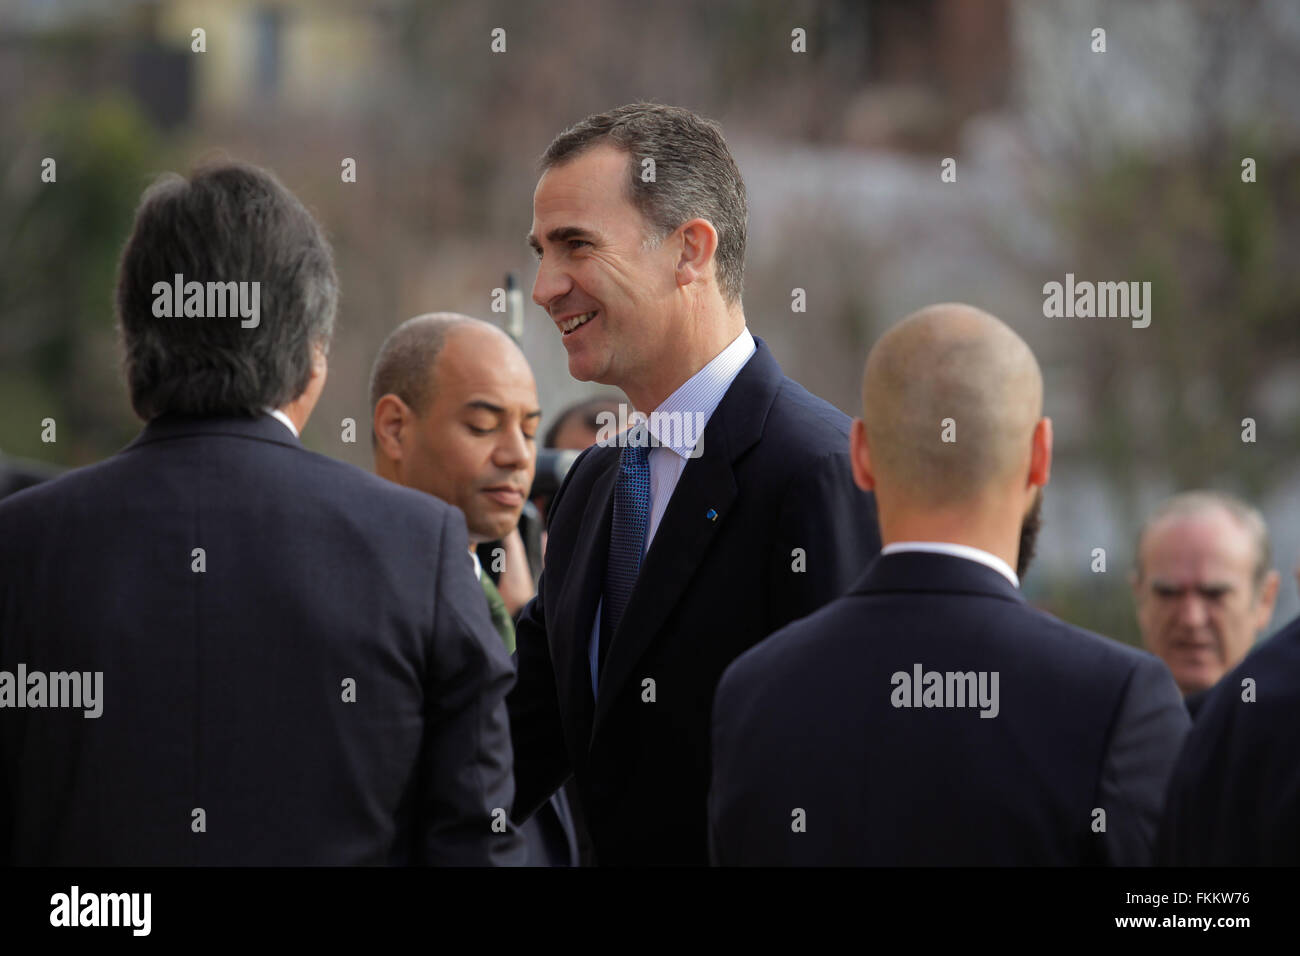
(695, 175)
(1193, 503)
(228, 222)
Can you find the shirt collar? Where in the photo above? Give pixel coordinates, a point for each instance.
(678, 423)
(956, 551)
(281, 416)
(478, 565)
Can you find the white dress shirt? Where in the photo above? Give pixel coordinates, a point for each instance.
(694, 402)
(957, 551)
(281, 416)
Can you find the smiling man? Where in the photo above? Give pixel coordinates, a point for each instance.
(1203, 586)
(664, 562)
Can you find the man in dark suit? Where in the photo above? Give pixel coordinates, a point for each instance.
(291, 660)
(930, 716)
(663, 563)
(455, 413)
(1234, 799)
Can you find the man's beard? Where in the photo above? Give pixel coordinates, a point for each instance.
(1029, 534)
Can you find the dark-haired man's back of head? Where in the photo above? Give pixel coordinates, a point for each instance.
(226, 296)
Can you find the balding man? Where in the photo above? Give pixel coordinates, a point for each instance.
(455, 415)
(931, 716)
(1204, 587)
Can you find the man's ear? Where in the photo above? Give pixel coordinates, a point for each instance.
(699, 244)
(392, 424)
(1040, 459)
(860, 456)
(1267, 598)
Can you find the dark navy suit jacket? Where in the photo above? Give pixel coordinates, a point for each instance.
(813, 764)
(223, 689)
(763, 527)
(1235, 795)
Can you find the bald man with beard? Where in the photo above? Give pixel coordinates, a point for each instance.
(931, 716)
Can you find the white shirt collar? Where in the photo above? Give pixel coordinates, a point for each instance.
(478, 565)
(956, 551)
(694, 403)
(288, 422)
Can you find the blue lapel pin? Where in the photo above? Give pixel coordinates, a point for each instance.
(712, 515)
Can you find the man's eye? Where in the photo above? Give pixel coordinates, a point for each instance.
(479, 431)
(575, 243)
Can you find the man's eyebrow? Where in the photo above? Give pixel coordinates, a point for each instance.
(560, 234)
(1162, 585)
(484, 405)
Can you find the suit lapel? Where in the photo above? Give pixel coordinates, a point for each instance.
(708, 483)
(580, 593)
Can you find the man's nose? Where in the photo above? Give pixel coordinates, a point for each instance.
(514, 450)
(1192, 611)
(550, 284)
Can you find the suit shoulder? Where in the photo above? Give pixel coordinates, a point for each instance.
(36, 499)
(350, 478)
(1274, 667)
(1085, 648)
(808, 423)
(313, 475)
(1279, 655)
(786, 648)
(1085, 652)
(341, 486)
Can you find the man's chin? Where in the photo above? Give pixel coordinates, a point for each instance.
(495, 528)
(585, 365)
(1195, 681)
(583, 370)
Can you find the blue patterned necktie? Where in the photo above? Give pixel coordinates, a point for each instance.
(626, 537)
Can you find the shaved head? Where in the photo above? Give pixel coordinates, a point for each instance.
(951, 398)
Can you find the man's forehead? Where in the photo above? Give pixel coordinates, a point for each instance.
(594, 181)
(478, 362)
(1198, 548)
